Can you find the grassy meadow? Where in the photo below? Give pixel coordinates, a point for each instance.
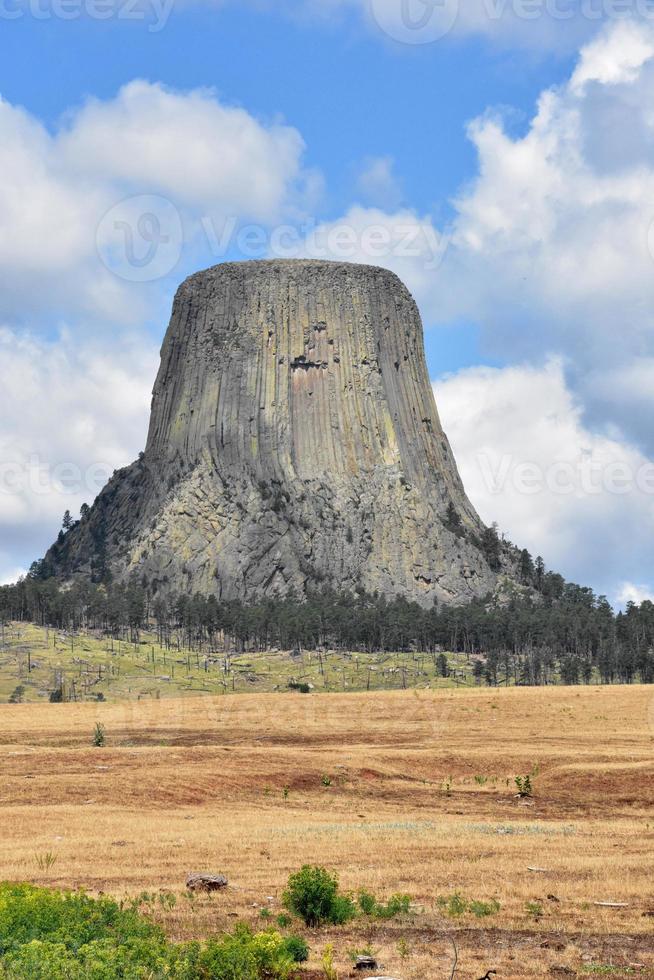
(91, 664)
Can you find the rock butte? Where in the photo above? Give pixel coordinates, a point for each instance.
(294, 444)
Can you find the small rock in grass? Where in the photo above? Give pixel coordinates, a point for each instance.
(365, 963)
(200, 882)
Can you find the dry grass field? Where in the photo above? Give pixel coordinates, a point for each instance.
(399, 792)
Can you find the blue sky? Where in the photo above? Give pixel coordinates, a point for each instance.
(512, 154)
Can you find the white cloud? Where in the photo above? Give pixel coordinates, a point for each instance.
(11, 576)
(614, 57)
(629, 592)
(551, 247)
(187, 145)
(583, 501)
(71, 412)
(210, 160)
(378, 184)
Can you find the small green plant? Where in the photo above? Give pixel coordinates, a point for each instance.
(283, 920)
(482, 909)
(367, 902)
(453, 905)
(481, 780)
(456, 905)
(377, 910)
(326, 780)
(525, 783)
(606, 969)
(99, 735)
(286, 792)
(535, 909)
(167, 900)
(328, 968)
(403, 948)
(525, 788)
(396, 905)
(302, 687)
(354, 954)
(312, 893)
(446, 786)
(265, 913)
(46, 861)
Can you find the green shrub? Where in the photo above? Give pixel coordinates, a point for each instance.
(52, 935)
(245, 955)
(377, 910)
(396, 905)
(296, 948)
(29, 913)
(300, 686)
(453, 905)
(483, 909)
(456, 905)
(524, 785)
(367, 902)
(312, 893)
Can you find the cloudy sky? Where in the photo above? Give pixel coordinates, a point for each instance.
(497, 154)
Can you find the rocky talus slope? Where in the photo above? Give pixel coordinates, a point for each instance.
(294, 443)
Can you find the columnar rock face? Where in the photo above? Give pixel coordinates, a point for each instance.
(294, 444)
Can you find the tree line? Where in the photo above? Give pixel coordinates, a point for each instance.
(552, 632)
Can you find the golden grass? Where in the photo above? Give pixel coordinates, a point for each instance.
(235, 785)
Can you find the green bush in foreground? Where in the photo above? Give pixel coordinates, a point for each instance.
(54, 935)
(69, 919)
(296, 948)
(313, 894)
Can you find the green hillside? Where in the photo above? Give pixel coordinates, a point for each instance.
(35, 661)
